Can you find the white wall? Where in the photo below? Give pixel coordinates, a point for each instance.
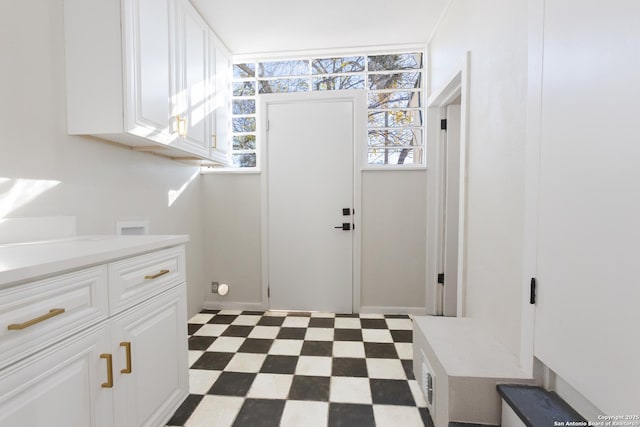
(393, 239)
(495, 32)
(98, 183)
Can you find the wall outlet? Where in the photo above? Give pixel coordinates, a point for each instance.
(214, 287)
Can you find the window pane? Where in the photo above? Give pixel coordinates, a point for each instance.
(394, 156)
(243, 71)
(244, 160)
(244, 124)
(244, 106)
(284, 85)
(398, 118)
(283, 68)
(244, 88)
(402, 61)
(338, 82)
(395, 137)
(386, 100)
(394, 81)
(244, 142)
(351, 64)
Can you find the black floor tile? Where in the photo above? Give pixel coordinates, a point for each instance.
(212, 360)
(321, 322)
(185, 410)
(391, 392)
(309, 388)
(252, 313)
(209, 311)
(350, 415)
(275, 364)
(402, 336)
(192, 328)
(426, 417)
(348, 315)
(378, 350)
(232, 384)
(292, 333)
(271, 321)
(317, 348)
(349, 367)
(223, 319)
(397, 316)
(255, 345)
(373, 323)
(408, 369)
(347, 335)
(260, 413)
(200, 342)
(237, 331)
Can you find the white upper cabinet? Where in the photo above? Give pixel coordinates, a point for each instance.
(220, 71)
(138, 73)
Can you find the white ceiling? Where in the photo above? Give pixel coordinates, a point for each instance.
(268, 26)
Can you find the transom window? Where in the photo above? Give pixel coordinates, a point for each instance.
(395, 125)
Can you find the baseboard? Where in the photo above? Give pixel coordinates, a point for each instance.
(416, 311)
(219, 305)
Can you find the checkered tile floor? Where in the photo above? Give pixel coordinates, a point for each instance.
(259, 369)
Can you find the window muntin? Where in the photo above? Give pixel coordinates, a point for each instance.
(394, 100)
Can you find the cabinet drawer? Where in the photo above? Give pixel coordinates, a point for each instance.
(38, 314)
(134, 280)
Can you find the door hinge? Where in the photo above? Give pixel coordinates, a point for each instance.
(443, 124)
(441, 278)
(532, 294)
(268, 292)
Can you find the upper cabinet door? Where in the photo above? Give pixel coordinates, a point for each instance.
(192, 65)
(221, 121)
(148, 27)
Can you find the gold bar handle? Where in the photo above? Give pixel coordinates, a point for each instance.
(215, 141)
(109, 383)
(127, 347)
(52, 313)
(155, 276)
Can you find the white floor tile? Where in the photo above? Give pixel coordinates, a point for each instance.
(386, 369)
(347, 323)
(308, 414)
(321, 314)
(219, 411)
(348, 349)
(245, 362)
(230, 312)
(371, 316)
(350, 390)
(201, 380)
(211, 330)
(268, 332)
(418, 396)
(319, 334)
(275, 313)
(201, 318)
(246, 320)
(400, 324)
(314, 365)
(391, 415)
(226, 344)
(405, 350)
(193, 356)
(376, 335)
(286, 347)
(296, 322)
(270, 386)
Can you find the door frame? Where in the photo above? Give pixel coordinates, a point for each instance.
(357, 98)
(456, 85)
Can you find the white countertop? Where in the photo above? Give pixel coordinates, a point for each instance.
(26, 261)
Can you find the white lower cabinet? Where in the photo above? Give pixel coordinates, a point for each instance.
(126, 370)
(60, 386)
(149, 344)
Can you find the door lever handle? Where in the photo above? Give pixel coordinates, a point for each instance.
(345, 226)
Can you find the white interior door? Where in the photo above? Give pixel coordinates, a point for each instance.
(452, 211)
(310, 151)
